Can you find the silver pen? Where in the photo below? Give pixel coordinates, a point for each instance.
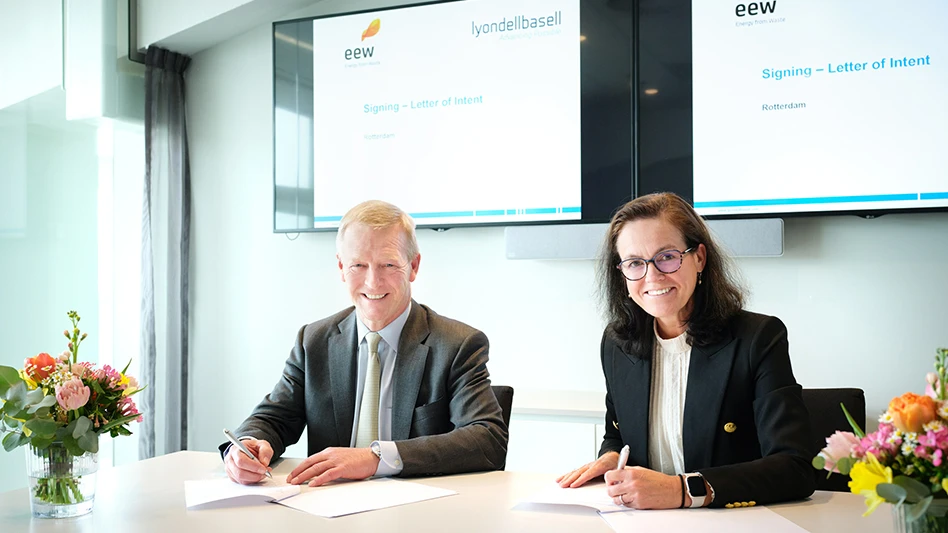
(240, 446)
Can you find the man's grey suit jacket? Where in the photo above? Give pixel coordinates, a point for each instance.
(445, 418)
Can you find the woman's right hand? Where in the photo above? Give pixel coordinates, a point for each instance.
(581, 475)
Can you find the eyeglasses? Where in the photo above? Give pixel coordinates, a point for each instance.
(667, 262)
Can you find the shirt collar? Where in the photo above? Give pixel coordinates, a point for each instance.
(390, 333)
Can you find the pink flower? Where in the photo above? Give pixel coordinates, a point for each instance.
(72, 394)
(838, 446)
(81, 370)
(127, 407)
(110, 377)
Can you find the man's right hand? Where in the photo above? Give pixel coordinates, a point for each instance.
(245, 470)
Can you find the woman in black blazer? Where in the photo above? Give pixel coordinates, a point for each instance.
(701, 391)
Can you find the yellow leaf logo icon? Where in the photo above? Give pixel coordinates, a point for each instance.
(372, 29)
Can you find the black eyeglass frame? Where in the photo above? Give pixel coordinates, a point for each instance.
(681, 260)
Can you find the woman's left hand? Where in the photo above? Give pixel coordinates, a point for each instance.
(640, 488)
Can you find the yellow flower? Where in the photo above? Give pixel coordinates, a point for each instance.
(944, 484)
(30, 384)
(865, 476)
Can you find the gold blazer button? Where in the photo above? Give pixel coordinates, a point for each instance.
(615, 425)
(730, 427)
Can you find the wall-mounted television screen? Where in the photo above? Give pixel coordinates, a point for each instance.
(476, 112)
(783, 107)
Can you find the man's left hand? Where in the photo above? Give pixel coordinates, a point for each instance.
(335, 463)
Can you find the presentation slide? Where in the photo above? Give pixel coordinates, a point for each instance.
(461, 112)
(819, 105)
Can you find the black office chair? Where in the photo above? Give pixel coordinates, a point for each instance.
(826, 417)
(504, 395)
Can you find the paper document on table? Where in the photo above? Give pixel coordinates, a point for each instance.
(742, 520)
(344, 498)
(589, 495)
(224, 492)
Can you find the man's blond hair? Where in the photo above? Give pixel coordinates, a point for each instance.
(380, 215)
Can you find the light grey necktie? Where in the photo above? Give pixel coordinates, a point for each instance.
(369, 410)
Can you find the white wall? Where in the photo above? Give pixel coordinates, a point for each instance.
(33, 60)
(864, 299)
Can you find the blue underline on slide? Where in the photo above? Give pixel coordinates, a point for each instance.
(933, 196)
(476, 213)
(815, 200)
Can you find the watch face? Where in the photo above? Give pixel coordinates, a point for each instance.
(696, 486)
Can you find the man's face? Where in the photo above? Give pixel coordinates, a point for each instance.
(374, 267)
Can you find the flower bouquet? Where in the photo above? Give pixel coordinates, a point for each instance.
(59, 407)
(905, 461)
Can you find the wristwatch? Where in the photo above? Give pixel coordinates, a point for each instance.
(694, 484)
(376, 449)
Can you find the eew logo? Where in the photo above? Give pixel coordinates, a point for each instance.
(365, 51)
(755, 8)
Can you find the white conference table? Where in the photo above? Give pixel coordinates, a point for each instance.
(149, 496)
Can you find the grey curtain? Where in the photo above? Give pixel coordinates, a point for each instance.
(166, 225)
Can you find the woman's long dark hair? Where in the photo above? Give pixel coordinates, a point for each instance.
(716, 299)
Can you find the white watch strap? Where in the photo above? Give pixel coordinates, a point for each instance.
(696, 501)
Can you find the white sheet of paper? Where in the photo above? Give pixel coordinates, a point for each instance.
(204, 491)
(742, 520)
(589, 495)
(344, 498)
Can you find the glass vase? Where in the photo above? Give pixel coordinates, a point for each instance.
(933, 521)
(62, 485)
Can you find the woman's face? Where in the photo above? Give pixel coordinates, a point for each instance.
(667, 297)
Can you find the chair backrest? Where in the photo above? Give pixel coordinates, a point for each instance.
(504, 395)
(826, 417)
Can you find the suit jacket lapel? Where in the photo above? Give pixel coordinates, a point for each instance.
(343, 367)
(707, 382)
(634, 378)
(409, 370)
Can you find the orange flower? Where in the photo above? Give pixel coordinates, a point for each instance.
(911, 411)
(40, 367)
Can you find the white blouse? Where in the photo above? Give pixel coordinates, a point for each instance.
(670, 361)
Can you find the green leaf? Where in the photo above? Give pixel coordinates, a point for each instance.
(819, 462)
(13, 441)
(844, 465)
(42, 427)
(8, 377)
(11, 408)
(918, 510)
(891, 493)
(62, 433)
(72, 446)
(83, 425)
(852, 423)
(41, 442)
(34, 396)
(48, 401)
(118, 422)
(89, 442)
(96, 387)
(915, 490)
(16, 393)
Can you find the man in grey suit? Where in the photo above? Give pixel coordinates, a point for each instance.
(436, 413)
